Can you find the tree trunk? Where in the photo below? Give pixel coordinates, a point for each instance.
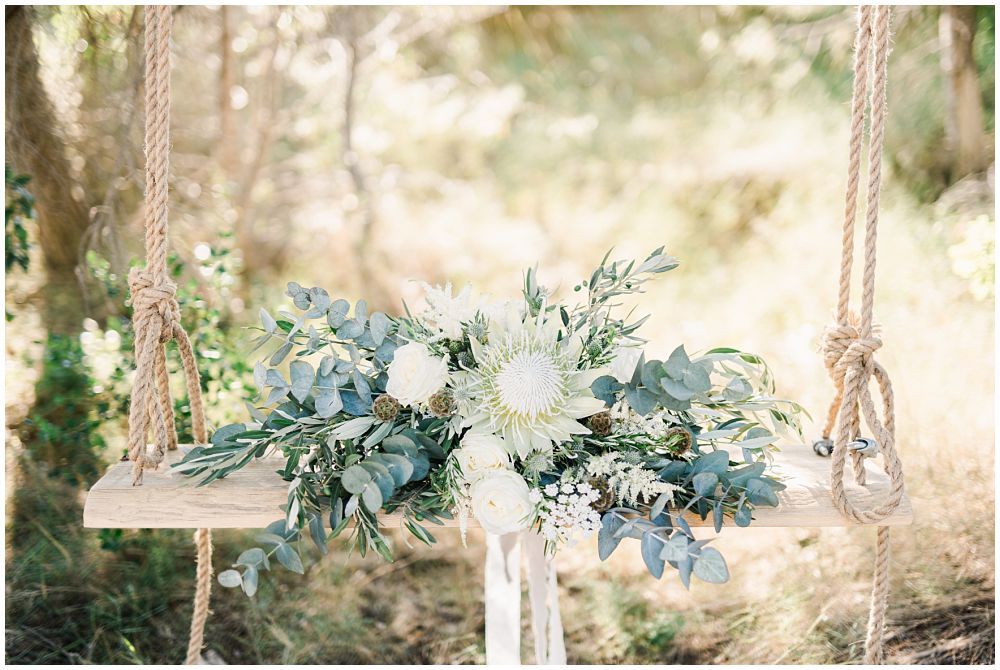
(35, 148)
(57, 430)
(964, 122)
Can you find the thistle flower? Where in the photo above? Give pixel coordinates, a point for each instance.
(477, 330)
(465, 359)
(537, 463)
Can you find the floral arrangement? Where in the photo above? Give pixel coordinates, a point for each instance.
(525, 413)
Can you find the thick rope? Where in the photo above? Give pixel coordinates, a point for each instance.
(849, 345)
(156, 315)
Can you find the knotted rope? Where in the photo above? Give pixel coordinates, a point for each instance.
(156, 315)
(850, 344)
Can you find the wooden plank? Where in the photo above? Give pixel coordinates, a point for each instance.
(252, 497)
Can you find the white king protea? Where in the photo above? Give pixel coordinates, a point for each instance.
(529, 389)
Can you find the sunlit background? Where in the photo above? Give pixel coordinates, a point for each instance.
(359, 149)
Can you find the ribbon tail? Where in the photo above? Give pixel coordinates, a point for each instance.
(543, 593)
(557, 641)
(503, 599)
(534, 554)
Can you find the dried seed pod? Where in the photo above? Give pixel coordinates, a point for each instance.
(385, 408)
(442, 403)
(679, 440)
(600, 423)
(607, 499)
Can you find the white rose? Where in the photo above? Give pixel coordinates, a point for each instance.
(480, 454)
(624, 362)
(415, 374)
(501, 503)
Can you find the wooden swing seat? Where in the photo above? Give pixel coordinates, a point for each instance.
(252, 497)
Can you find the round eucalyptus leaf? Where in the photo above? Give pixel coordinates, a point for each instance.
(355, 478)
(711, 567)
(230, 578)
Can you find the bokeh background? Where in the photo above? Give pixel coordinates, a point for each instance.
(360, 148)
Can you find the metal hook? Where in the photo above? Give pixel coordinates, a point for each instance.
(866, 446)
(823, 447)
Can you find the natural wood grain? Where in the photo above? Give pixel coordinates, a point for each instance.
(252, 497)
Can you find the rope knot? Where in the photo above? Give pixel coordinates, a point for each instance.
(844, 349)
(154, 295)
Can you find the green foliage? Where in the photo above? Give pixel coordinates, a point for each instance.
(708, 485)
(608, 283)
(343, 462)
(62, 429)
(208, 322)
(19, 208)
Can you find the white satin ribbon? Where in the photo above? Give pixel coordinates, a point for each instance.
(503, 600)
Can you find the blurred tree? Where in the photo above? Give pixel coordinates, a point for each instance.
(355, 23)
(35, 147)
(964, 115)
(246, 141)
(57, 430)
(226, 126)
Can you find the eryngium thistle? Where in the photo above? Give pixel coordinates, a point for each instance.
(442, 403)
(600, 424)
(465, 359)
(385, 408)
(477, 330)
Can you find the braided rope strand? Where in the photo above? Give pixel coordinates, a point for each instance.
(850, 344)
(156, 314)
(861, 44)
(202, 595)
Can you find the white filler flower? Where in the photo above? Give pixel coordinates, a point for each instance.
(529, 388)
(501, 503)
(415, 374)
(481, 454)
(447, 311)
